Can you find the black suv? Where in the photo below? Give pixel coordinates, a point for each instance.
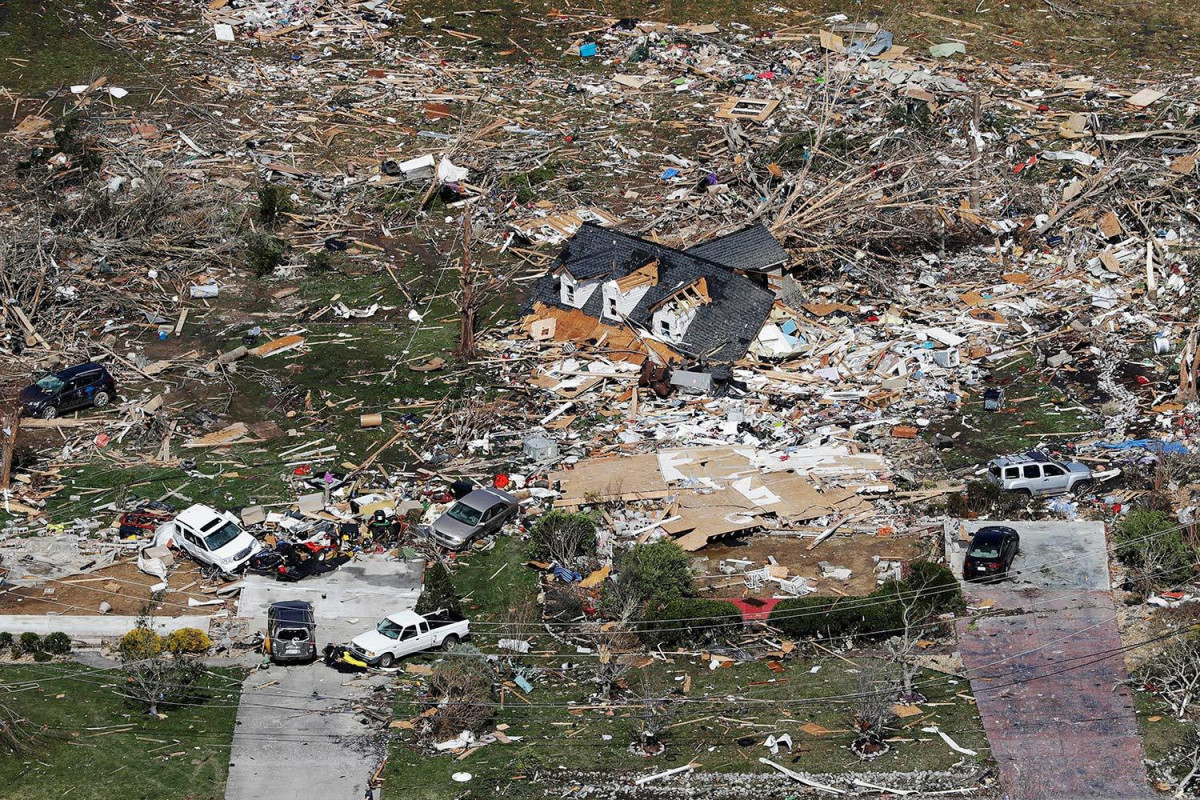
(77, 387)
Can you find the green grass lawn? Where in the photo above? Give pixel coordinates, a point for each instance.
(1032, 411)
(720, 735)
(495, 583)
(100, 746)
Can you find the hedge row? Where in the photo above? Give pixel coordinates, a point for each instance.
(930, 589)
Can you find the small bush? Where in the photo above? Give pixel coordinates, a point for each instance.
(273, 201)
(140, 644)
(263, 253)
(1153, 548)
(563, 603)
(57, 643)
(989, 499)
(320, 261)
(935, 587)
(41, 656)
(30, 642)
(188, 640)
(561, 536)
(692, 620)
(6, 639)
(656, 574)
(438, 592)
(461, 688)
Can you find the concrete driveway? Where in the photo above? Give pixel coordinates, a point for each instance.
(1069, 556)
(1049, 680)
(346, 601)
(297, 736)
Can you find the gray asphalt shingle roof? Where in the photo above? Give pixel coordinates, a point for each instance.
(753, 249)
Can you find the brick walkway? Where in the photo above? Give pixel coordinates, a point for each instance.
(1070, 733)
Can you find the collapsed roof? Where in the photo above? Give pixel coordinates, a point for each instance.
(731, 310)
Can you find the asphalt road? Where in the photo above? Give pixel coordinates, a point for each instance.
(296, 737)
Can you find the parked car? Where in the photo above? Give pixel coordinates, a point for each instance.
(482, 512)
(407, 632)
(991, 553)
(82, 386)
(291, 632)
(211, 537)
(1035, 473)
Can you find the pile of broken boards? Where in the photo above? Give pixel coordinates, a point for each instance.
(714, 491)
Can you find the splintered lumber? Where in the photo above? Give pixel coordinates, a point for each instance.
(231, 434)
(276, 346)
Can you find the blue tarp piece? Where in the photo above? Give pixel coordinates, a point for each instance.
(1153, 445)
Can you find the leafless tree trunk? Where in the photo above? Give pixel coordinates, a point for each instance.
(10, 425)
(476, 286)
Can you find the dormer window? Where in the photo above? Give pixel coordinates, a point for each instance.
(569, 293)
(664, 327)
(612, 306)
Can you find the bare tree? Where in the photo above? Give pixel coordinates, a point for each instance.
(152, 675)
(902, 648)
(10, 426)
(1174, 675)
(477, 285)
(872, 713)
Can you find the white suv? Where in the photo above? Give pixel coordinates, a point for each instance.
(211, 537)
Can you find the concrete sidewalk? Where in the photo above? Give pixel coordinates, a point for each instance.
(92, 629)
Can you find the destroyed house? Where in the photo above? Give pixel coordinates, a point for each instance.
(695, 306)
(752, 251)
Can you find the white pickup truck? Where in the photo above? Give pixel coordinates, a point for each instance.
(407, 632)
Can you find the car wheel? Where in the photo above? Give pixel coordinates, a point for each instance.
(386, 660)
(1026, 493)
(450, 642)
(1081, 488)
(49, 412)
(100, 400)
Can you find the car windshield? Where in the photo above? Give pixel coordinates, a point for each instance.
(222, 536)
(49, 383)
(293, 635)
(389, 629)
(464, 514)
(984, 551)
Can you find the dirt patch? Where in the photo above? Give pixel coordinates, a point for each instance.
(121, 585)
(854, 552)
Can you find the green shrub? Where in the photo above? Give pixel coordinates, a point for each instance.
(989, 499)
(692, 620)
(263, 252)
(57, 643)
(1152, 546)
(935, 586)
(320, 261)
(41, 656)
(273, 201)
(930, 589)
(30, 642)
(562, 536)
(656, 573)
(6, 639)
(438, 592)
(188, 640)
